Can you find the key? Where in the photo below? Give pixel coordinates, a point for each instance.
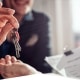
(16, 44)
(17, 48)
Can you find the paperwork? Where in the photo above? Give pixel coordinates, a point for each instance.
(67, 64)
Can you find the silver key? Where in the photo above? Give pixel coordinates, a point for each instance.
(17, 48)
(16, 44)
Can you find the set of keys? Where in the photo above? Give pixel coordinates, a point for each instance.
(16, 44)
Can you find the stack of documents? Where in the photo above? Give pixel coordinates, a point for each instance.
(67, 64)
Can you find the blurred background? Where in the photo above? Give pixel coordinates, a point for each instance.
(64, 30)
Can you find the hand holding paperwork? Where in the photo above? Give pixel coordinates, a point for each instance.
(67, 64)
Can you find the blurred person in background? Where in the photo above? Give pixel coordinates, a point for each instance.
(34, 39)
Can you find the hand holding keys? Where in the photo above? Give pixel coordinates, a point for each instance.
(16, 43)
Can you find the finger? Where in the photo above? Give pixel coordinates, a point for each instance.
(2, 61)
(4, 32)
(3, 22)
(11, 19)
(6, 29)
(13, 59)
(7, 11)
(8, 59)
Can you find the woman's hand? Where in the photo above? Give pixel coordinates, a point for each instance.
(7, 22)
(11, 67)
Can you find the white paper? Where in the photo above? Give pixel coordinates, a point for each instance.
(67, 65)
(54, 61)
(70, 60)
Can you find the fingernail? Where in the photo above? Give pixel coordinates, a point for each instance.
(11, 11)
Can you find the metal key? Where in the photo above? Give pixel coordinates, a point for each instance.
(16, 44)
(17, 48)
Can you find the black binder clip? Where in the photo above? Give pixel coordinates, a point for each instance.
(67, 53)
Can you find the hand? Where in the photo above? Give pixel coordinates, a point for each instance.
(11, 67)
(7, 22)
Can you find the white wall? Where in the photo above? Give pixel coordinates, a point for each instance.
(61, 33)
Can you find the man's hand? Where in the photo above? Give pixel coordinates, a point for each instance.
(7, 22)
(11, 67)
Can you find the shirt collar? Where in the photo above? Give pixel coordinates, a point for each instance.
(28, 17)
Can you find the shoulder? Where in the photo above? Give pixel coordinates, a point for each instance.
(40, 16)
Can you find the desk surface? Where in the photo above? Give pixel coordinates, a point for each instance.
(41, 77)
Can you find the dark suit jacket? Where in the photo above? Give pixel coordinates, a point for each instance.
(32, 54)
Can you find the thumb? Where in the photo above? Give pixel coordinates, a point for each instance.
(4, 32)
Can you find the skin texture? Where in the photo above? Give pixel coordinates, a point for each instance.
(7, 22)
(21, 7)
(11, 67)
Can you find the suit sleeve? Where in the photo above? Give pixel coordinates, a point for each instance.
(42, 46)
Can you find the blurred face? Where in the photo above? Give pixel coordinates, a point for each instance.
(20, 6)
